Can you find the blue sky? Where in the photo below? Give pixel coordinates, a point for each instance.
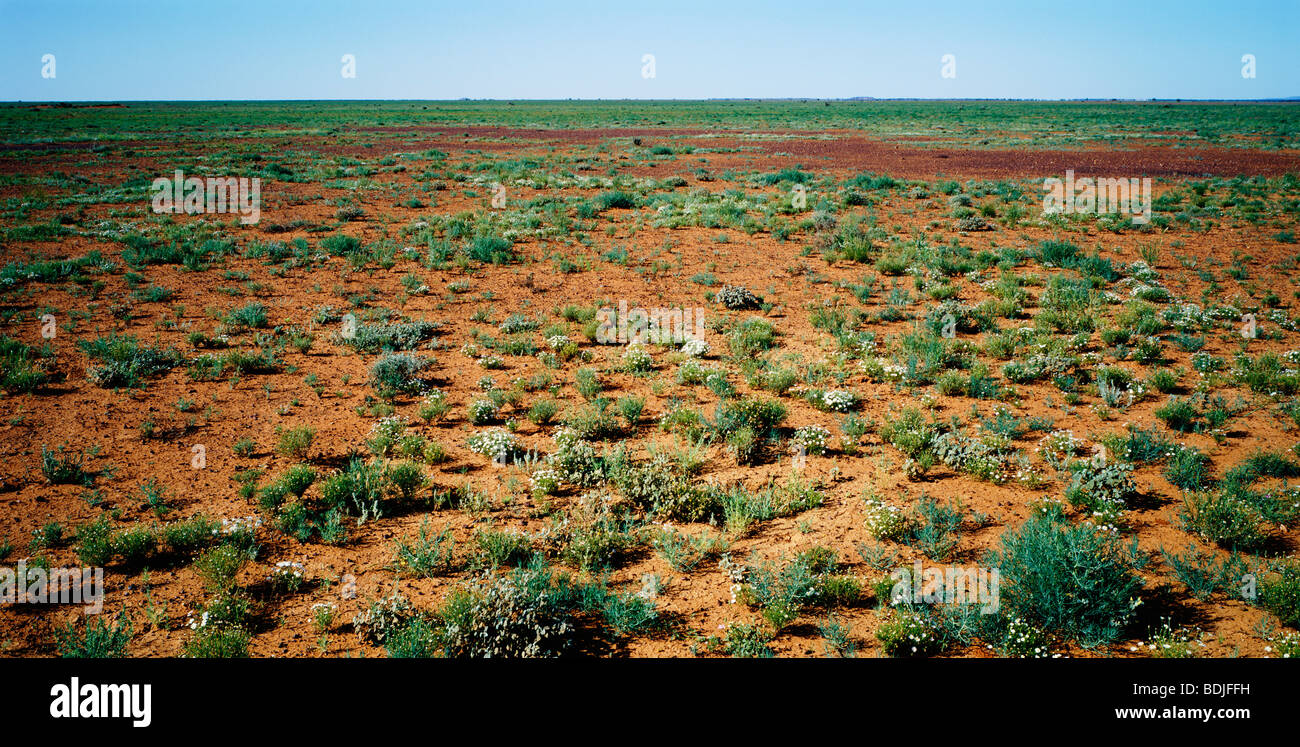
(407, 49)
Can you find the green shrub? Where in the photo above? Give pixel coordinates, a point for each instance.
(1188, 469)
(493, 249)
(909, 432)
(434, 407)
(908, 633)
(1266, 375)
(406, 479)
(428, 556)
(358, 490)
(1076, 581)
(1139, 445)
(742, 508)
(684, 552)
(746, 641)
(297, 479)
(1225, 519)
(630, 408)
(64, 470)
(599, 544)
(1203, 574)
(219, 568)
(663, 490)
(123, 361)
(376, 338)
(1057, 253)
(295, 443)
(543, 411)
(419, 638)
(252, 316)
(760, 415)
(96, 638)
(1101, 487)
(1280, 594)
(617, 200)
(482, 411)
(750, 337)
(587, 384)
(399, 373)
(1178, 414)
(737, 297)
(525, 614)
(782, 591)
(217, 642)
(23, 368)
(1164, 381)
(592, 422)
(498, 548)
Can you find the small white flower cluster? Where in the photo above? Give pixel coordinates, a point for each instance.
(565, 437)
(1280, 318)
(1047, 505)
(545, 481)
(1286, 645)
(637, 358)
(1205, 362)
(1059, 444)
(1185, 316)
(1170, 642)
(286, 573)
(482, 410)
(1226, 311)
(735, 573)
(322, 615)
(555, 342)
(469, 349)
(1105, 519)
(1125, 396)
(695, 348)
(388, 427)
(1140, 289)
(239, 524)
(194, 623)
(1029, 475)
(883, 520)
(496, 444)
(1140, 270)
(492, 361)
(889, 370)
(1282, 497)
(917, 633)
(838, 400)
(812, 439)
(1025, 641)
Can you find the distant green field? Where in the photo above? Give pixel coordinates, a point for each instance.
(1269, 126)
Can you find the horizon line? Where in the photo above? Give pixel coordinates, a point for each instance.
(716, 99)
(842, 99)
